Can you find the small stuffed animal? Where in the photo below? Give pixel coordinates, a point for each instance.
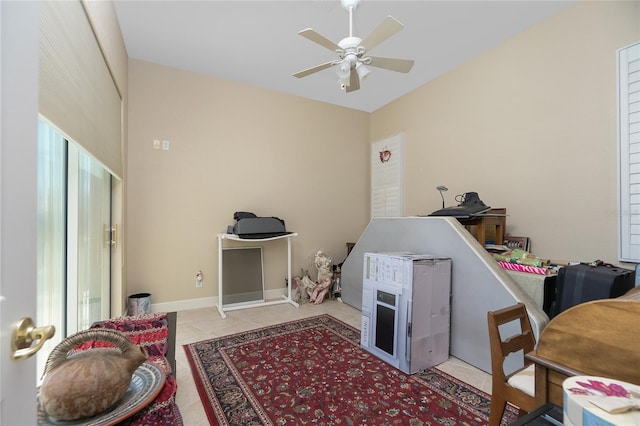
(325, 277)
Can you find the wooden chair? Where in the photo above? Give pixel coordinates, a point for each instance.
(518, 387)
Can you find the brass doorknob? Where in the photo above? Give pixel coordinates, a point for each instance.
(24, 334)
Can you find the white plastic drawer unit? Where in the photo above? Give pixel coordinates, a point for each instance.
(406, 309)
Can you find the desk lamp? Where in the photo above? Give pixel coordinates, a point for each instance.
(442, 189)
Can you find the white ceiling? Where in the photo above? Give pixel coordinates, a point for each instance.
(256, 42)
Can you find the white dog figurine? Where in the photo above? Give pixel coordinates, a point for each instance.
(325, 276)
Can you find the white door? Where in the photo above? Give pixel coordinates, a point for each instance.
(19, 39)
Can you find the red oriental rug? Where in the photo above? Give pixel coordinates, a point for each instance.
(313, 371)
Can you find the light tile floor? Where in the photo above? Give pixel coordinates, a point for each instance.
(202, 324)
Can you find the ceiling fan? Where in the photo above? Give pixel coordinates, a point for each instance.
(352, 59)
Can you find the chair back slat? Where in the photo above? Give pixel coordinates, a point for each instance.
(520, 343)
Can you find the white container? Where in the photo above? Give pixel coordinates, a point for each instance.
(406, 309)
(582, 401)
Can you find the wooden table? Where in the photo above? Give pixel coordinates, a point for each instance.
(494, 219)
(598, 338)
(549, 378)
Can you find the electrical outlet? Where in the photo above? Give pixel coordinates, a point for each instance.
(199, 279)
(198, 283)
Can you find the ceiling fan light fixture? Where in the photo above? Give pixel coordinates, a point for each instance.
(363, 71)
(344, 69)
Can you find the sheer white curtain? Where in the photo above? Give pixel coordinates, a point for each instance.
(52, 212)
(74, 208)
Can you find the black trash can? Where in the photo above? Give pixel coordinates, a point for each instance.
(139, 303)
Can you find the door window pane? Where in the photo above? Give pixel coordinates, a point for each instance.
(94, 219)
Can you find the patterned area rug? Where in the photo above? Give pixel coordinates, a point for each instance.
(313, 371)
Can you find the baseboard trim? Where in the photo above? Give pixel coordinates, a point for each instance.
(204, 302)
(185, 305)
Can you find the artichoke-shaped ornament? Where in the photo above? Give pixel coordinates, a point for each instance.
(86, 383)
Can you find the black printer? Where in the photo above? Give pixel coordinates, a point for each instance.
(250, 226)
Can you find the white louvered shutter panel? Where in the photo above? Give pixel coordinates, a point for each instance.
(629, 149)
(387, 174)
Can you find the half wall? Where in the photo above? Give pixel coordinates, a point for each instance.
(478, 283)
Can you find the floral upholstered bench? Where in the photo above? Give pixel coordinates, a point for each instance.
(156, 333)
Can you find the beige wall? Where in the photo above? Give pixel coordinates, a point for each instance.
(530, 126)
(233, 148)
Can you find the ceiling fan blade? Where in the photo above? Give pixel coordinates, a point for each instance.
(388, 27)
(316, 37)
(312, 70)
(354, 81)
(399, 65)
